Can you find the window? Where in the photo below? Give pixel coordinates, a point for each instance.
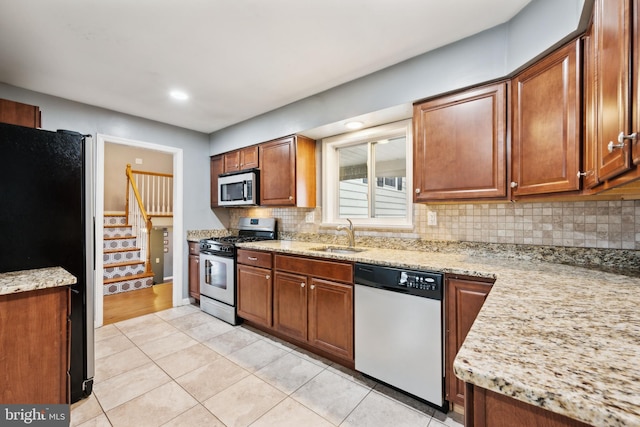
(367, 176)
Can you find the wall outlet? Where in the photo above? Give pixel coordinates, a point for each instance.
(138, 161)
(309, 217)
(157, 260)
(432, 218)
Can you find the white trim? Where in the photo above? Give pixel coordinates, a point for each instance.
(330, 165)
(178, 225)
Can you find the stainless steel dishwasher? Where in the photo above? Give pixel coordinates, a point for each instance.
(398, 329)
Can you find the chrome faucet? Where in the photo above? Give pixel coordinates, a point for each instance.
(350, 232)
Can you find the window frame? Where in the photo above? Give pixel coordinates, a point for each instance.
(330, 173)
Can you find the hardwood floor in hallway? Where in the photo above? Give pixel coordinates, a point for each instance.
(132, 304)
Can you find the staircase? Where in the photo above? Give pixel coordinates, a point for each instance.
(124, 270)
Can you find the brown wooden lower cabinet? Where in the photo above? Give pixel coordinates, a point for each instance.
(331, 317)
(290, 305)
(194, 270)
(255, 286)
(485, 408)
(313, 303)
(34, 343)
(464, 299)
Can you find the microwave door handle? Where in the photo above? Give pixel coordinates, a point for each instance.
(244, 192)
(207, 272)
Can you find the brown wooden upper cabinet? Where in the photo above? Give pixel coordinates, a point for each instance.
(612, 94)
(546, 124)
(460, 145)
(244, 158)
(217, 167)
(288, 172)
(17, 113)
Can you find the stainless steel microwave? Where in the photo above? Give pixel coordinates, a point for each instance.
(238, 188)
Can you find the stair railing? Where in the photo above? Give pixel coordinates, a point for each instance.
(139, 219)
(156, 191)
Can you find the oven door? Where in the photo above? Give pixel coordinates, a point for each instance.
(217, 278)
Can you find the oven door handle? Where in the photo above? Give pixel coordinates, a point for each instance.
(207, 271)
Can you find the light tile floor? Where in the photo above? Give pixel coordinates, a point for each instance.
(182, 367)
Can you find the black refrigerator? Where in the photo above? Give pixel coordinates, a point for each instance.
(47, 220)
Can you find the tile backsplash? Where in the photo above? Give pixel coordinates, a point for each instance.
(589, 224)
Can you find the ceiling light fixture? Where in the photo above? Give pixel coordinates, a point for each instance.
(354, 125)
(179, 95)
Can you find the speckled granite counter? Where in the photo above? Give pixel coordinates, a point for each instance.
(29, 280)
(563, 338)
(197, 235)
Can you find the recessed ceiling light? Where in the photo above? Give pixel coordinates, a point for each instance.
(354, 125)
(179, 95)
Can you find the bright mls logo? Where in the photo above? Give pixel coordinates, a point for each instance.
(34, 415)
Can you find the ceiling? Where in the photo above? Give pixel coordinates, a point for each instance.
(235, 58)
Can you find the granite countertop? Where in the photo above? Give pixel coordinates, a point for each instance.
(29, 280)
(563, 338)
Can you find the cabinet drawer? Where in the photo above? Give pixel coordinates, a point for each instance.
(324, 269)
(255, 258)
(194, 248)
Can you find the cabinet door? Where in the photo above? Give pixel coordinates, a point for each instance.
(635, 84)
(217, 167)
(34, 338)
(277, 172)
(464, 299)
(194, 270)
(460, 146)
(194, 276)
(546, 124)
(331, 317)
(590, 161)
(17, 113)
(231, 161)
(290, 305)
(255, 294)
(490, 409)
(613, 38)
(249, 157)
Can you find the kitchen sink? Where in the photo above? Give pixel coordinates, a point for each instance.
(337, 249)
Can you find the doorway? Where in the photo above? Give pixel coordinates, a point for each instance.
(176, 292)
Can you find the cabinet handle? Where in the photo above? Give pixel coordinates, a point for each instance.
(417, 191)
(267, 277)
(290, 197)
(514, 184)
(313, 287)
(581, 174)
(252, 258)
(631, 136)
(611, 146)
(302, 285)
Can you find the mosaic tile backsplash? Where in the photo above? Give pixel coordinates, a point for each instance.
(592, 224)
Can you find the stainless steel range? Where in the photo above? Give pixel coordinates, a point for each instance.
(218, 266)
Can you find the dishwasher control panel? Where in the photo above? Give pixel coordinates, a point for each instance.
(418, 280)
(420, 283)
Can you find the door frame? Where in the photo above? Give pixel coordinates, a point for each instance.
(178, 225)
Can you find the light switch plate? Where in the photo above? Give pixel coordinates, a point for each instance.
(310, 217)
(432, 218)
